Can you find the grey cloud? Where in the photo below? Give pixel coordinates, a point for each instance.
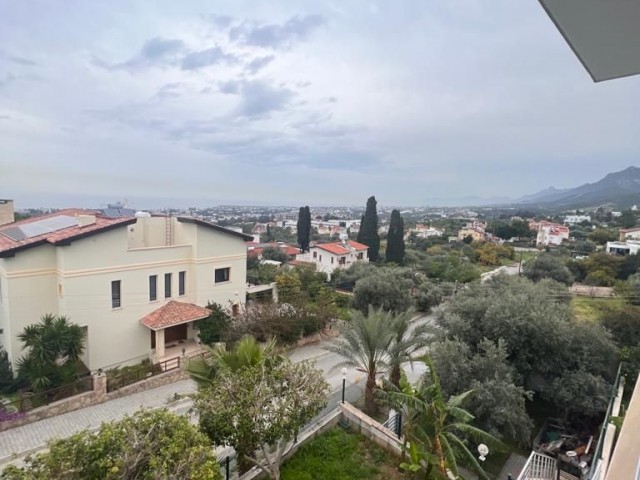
(5, 117)
(297, 28)
(156, 52)
(206, 58)
(230, 87)
(257, 64)
(169, 90)
(23, 61)
(259, 98)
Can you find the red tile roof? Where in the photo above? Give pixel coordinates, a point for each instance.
(9, 246)
(337, 248)
(174, 313)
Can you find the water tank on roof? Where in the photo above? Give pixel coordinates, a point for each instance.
(143, 215)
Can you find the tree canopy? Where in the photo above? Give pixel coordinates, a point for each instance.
(387, 288)
(368, 233)
(548, 265)
(395, 239)
(149, 445)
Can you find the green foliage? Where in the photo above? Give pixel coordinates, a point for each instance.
(506, 230)
(262, 274)
(630, 265)
(368, 233)
(54, 348)
(627, 219)
(488, 373)
(633, 289)
(490, 254)
(261, 405)
(364, 345)
(338, 455)
(387, 288)
(148, 445)
(541, 340)
(8, 384)
(289, 287)
(547, 265)
(304, 228)
(395, 239)
(213, 328)
(427, 296)
(603, 235)
(624, 325)
(630, 357)
(275, 254)
(438, 428)
(449, 266)
(346, 279)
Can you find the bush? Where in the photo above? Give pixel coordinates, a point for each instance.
(214, 328)
(8, 383)
(427, 296)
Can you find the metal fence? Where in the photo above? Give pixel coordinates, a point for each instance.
(30, 400)
(130, 376)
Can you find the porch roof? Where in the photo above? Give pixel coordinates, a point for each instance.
(174, 313)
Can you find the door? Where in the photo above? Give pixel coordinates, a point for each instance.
(174, 334)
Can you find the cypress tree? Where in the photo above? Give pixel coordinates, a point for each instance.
(368, 233)
(395, 239)
(304, 228)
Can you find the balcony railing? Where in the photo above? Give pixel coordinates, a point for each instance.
(539, 467)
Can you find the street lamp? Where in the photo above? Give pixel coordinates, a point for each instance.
(483, 450)
(344, 381)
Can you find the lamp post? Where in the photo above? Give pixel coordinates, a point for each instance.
(344, 381)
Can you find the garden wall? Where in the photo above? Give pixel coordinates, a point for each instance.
(97, 395)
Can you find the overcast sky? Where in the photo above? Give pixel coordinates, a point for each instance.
(295, 102)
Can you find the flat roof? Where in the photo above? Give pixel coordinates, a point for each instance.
(603, 34)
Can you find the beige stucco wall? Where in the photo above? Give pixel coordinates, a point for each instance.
(75, 280)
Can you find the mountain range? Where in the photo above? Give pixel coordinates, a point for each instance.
(619, 188)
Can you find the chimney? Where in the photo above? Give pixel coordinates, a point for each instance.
(6, 212)
(85, 220)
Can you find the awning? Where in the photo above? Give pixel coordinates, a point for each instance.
(174, 313)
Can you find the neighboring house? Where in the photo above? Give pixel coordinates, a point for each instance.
(629, 234)
(574, 219)
(136, 285)
(549, 233)
(422, 231)
(629, 247)
(256, 249)
(328, 257)
(475, 230)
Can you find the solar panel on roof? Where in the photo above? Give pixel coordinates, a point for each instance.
(14, 233)
(41, 227)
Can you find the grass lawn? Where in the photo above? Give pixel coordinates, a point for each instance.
(341, 455)
(587, 309)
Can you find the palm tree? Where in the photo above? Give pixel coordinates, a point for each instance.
(436, 430)
(365, 346)
(405, 342)
(246, 352)
(55, 345)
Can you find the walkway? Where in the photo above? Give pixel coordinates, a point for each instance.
(515, 464)
(34, 436)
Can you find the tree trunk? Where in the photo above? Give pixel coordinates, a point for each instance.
(369, 400)
(394, 378)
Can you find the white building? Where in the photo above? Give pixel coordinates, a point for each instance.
(332, 256)
(629, 234)
(136, 285)
(549, 233)
(574, 219)
(630, 247)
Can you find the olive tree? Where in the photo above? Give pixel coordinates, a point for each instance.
(259, 409)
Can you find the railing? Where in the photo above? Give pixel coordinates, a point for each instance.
(131, 376)
(394, 423)
(597, 455)
(539, 467)
(30, 400)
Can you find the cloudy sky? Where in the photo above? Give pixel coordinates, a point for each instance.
(296, 102)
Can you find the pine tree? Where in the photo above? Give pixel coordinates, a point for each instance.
(395, 239)
(368, 233)
(304, 228)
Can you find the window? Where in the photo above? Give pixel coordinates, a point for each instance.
(167, 285)
(181, 281)
(315, 254)
(360, 256)
(331, 259)
(222, 275)
(115, 294)
(153, 288)
(343, 261)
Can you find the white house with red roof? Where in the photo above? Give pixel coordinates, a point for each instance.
(331, 256)
(549, 233)
(136, 284)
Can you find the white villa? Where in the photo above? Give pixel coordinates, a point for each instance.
(136, 284)
(332, 256)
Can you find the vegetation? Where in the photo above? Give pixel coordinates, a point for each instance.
(547, 265)
(54, 348)
(260, 407)
(304, 228)
(340, 455)
(212, 329)
(395, 239)
(148, 445)
(368, 233)
(435, 429)
(544, 345)
(7, 381)
(386, 288)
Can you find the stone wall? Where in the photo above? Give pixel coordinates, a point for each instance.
(97, 395)
(370, 428)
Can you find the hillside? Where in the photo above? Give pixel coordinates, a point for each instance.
(619, 188)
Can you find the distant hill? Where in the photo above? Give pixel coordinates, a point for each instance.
(619, 188)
